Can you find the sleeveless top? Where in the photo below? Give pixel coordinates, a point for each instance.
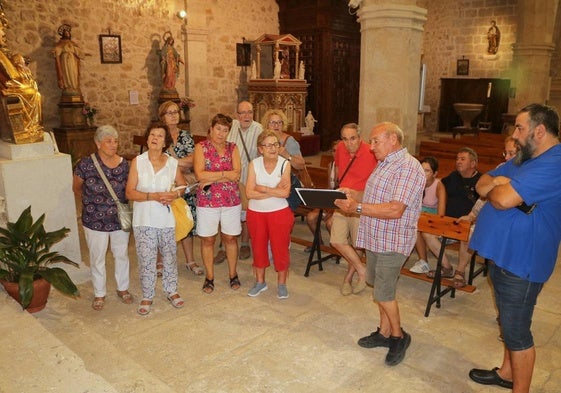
(220, 194)
(153, 213)
(430, 199)
(263, 178)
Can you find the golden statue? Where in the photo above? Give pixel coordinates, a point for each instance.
(20, 101)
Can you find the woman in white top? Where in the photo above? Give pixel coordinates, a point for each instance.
(151, 178)
(269, 218)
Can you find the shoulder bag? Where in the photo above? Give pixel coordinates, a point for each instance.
(124, 209)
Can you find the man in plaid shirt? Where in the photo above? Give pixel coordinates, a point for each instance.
(389, 211)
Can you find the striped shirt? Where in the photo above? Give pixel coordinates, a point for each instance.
(399, 177)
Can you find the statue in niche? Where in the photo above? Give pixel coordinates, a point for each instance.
(494, 38)
(277, 69)
(301, 70)
(169, 62)
(284, 57)
(67, 59)
(253, 71)
(20, 117)
(310, 122)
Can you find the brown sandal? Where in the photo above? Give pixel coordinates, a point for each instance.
(98, 303)
(459, 280)
(125, 296)
(444, 273)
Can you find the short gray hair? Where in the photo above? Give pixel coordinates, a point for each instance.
(104, 132)
(353, 126)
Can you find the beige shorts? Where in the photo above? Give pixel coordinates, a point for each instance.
(344, 228)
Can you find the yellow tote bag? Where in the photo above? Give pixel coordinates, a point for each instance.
(183, 218)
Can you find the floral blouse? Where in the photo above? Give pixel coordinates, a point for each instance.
(220, 194)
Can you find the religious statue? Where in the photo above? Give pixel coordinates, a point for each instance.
(20, 106)
(494, 38)
(284, 56)
(301, 70)
(67, 59)
(169, 62)
(277, 69)
(253, 71)
(310, 122)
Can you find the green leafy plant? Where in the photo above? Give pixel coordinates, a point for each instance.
(25, 255)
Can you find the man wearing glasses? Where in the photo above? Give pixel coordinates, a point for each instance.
(244, 133)
(354, 162)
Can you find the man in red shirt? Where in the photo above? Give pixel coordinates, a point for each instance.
(354, 162)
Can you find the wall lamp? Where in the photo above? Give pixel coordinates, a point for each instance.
(182, 14)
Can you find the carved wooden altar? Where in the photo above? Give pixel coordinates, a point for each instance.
(289, 95)
(281, 88)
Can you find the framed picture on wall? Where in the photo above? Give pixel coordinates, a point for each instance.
(462, 67)
(110, 49)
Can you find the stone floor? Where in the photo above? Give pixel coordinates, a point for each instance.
(229, 342)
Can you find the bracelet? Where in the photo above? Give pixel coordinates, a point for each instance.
(147, 196)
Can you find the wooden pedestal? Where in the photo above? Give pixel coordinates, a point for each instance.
(78, 142)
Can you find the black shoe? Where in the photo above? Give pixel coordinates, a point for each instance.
(489, 377)
(398, 346)
(374, 340)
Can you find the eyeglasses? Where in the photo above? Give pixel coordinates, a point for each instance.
(271, 145)
(171, 113)
(509, 153)
(245, 113)
(276, 123)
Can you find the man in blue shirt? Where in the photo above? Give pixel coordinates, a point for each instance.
(519, 230)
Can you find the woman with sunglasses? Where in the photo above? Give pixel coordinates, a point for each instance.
(269, 218)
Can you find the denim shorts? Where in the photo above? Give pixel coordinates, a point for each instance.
(382, 271)
(515, 298)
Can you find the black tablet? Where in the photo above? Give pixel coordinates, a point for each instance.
(321, 199)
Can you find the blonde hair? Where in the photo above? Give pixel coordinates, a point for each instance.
(271, 112)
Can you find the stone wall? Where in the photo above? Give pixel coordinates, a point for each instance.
(457, 29)
(215, 26)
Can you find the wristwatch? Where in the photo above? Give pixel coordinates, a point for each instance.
(359, 208)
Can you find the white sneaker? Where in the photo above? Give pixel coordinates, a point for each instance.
(421, 266)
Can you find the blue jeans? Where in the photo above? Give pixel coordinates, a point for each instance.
(515, 298)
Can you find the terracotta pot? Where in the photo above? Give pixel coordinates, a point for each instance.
(41, 289)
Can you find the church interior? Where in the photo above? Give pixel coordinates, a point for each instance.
(448, 72)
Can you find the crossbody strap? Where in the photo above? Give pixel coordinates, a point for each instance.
(102, 175)
(244, 146)
(346, 170)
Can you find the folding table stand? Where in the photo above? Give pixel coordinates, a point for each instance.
(316, 249)
(447, 228)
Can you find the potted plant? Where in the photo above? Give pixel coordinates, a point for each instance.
(25, 256)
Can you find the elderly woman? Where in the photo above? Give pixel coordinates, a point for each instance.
(99, 214)
(217, 165)
(181, 149)
(269, 218)
(151, 178)
(275, 120)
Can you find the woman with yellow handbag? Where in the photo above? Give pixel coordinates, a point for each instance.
(151, 177)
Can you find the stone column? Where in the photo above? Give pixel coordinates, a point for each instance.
(532, 52)
(391, 41)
